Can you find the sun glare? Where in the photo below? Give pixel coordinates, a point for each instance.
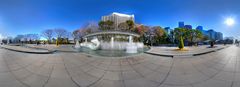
(229, 21)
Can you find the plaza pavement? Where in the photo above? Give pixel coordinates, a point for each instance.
(65, 69)
(20, 48)
(192, 50)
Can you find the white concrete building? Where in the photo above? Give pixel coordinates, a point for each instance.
(118, 18)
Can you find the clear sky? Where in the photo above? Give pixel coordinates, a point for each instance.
(33, 16)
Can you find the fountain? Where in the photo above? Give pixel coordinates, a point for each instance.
(131, 47)
(77, 45)
(85, 40)
(111, 44)
(93, 45)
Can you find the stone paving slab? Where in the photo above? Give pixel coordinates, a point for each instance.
(61, 48)
(26, 49)
(192, 51)
(217, 69)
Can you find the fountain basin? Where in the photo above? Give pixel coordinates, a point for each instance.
(131, 48)
(111, 53)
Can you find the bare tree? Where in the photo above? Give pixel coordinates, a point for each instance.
(91, 26)
(78, 34)
(48, 34)
(66, 37)
(32, 37)
(60, 33)
(18, 38)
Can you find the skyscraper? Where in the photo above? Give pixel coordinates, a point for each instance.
(167, 29)
(211, 34)
(204, 32)
(188, 26)
(219, 36)
(181, 24)
(200, 28)
(117, 18)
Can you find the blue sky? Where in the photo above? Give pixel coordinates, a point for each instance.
(33, 16)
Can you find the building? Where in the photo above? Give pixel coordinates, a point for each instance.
(188, 26)
(200, 28)
(219, 36)
(181, 24)
(211, 34)
(170, 34)
(118, 18)
(167, 30)
(204, 32)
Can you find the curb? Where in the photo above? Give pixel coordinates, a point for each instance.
(196, 54)
(159, 54)
(50, 52)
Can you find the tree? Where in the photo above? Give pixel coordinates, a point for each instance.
(110, 25)
(159, 31)
(101, 25)
(123, 26)
(77, 35)
(181, 43)
(106, 25)
(60, 33)
(91, 26)
(142, 31)
(48, 34)
(180, 34)
(160, 34)
(193, 35)
(19, 38)
(88, 28)
(32, 37)
(130, 25)
(66, 37)
(198, 35)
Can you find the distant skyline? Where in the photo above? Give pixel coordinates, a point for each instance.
(34, 16)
